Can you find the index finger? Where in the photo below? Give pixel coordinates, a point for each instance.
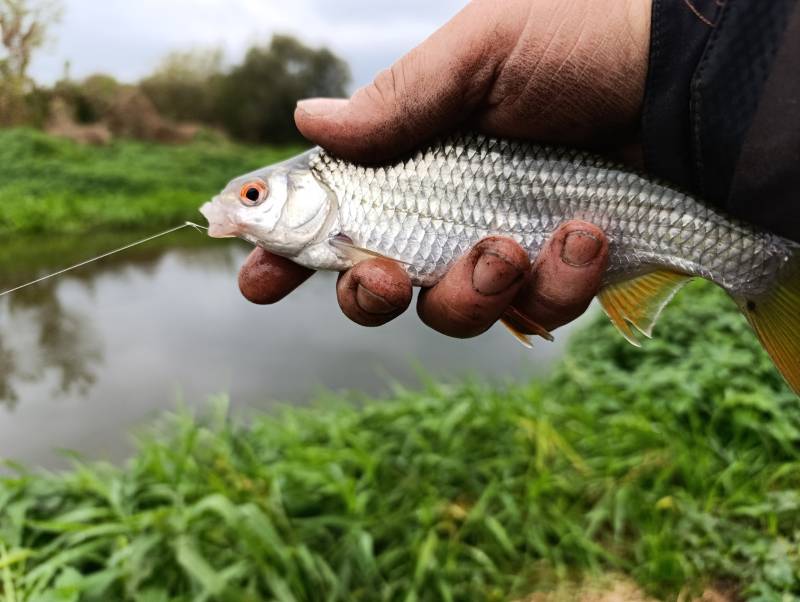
(266, 278)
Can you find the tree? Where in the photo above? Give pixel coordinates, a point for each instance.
(89, 100)
(184, 87)
(253, 101)
(23, 29)
(257, 98)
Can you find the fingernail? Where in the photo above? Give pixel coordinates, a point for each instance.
(580, 248)
(493, 274)
(321, 107)
(372, 303)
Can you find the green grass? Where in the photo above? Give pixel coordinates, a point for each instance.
(678, 465)
(50, 185)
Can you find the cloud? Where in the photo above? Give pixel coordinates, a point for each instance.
(128, 39)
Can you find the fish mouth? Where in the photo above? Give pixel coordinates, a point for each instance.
(219, 223)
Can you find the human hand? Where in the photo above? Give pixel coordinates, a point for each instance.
(542, 69)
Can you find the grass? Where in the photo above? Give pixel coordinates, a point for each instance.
(677, 466)
(50, 185)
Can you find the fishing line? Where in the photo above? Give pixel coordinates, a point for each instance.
(197, 227)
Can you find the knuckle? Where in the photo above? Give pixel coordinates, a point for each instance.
(388, 89)
(382, 91)
(553, 312)
(564, 306)
(346, 283)
(369, 296)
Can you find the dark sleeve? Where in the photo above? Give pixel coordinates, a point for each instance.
(722, 105)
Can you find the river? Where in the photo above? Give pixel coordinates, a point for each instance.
(89, 357)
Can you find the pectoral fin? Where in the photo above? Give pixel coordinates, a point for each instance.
(356, 254)
(638, 302)
(523, 338)
(514, 316)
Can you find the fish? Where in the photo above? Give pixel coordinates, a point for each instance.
(427, 209)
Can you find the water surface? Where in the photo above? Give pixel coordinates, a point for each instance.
(87, 357)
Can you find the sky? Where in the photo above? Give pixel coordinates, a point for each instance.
(128, 38)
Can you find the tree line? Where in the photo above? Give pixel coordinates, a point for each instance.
(251, 101)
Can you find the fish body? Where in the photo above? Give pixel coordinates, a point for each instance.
(433, 207)
(428, 209)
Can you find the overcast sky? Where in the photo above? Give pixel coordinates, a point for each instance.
(127, 38)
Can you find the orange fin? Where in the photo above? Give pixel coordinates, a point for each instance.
(775, 317)
(638, 302)
(523, 338)
(357, 254)
(512, 313)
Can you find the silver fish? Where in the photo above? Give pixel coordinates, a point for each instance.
(429, 209)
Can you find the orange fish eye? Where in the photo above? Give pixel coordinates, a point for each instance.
(253, 193)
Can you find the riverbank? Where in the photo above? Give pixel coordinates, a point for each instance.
(677, 466)
(54, 186)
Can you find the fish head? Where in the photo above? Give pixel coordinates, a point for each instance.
(282, 208)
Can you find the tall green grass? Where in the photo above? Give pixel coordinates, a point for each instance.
(50, 185)
(678, 465)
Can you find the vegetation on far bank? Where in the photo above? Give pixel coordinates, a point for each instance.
(49, 185)
(678, 465)
(252, 100)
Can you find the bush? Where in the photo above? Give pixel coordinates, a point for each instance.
(258, 98)
(186, 86)
(254, 101)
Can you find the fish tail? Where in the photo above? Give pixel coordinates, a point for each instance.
(775, 318)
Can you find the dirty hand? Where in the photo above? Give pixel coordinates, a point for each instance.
(565, 72)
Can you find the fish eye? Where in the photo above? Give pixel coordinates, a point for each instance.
(253, 193)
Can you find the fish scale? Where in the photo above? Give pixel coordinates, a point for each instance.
(486, 186)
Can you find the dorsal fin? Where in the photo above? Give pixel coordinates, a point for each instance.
(638, 302)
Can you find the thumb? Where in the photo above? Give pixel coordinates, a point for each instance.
(427, 91)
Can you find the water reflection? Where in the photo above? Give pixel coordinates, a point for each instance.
(44, 336)
(40, 338)
(86, 357)
(7, 368)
